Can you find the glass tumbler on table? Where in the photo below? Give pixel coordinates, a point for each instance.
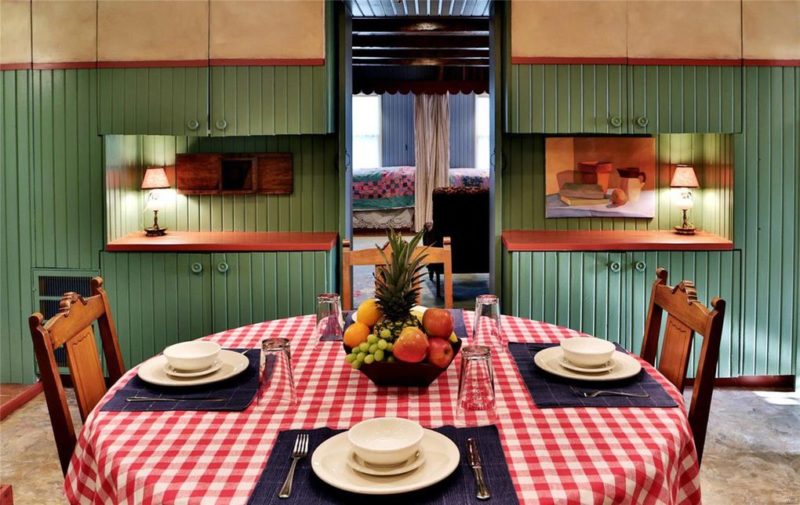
(277, 380)
(476, 394)
(487, 328)
(330, 323)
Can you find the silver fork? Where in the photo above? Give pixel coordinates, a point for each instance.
(602, 392)
(299, 452)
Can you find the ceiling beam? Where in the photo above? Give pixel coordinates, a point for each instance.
(443, 52)
(419, 41)
(421, 26)
(423, 61)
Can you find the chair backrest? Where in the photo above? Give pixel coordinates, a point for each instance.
(73, 327)
(372, 256)
(685, 317)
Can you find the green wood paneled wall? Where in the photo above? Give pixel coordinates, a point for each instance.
(524, 183)
(767, 221)
(312, 206)
(68, 170)
(153, 101)
(158, 300)
(643, 99)
(16, 225)
(579, 290)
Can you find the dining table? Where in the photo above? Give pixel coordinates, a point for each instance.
(554, 455)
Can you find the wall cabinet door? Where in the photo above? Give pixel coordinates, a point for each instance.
(154, 101)
(684, 99)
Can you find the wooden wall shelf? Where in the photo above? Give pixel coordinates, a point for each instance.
(225, 241)
(592, 240)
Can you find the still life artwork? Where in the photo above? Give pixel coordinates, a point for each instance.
(600, 177)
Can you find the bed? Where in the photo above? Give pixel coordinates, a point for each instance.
(384, 197)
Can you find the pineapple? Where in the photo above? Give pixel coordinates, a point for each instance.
(397, 285)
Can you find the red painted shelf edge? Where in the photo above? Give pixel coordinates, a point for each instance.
(137, 242)
(703, 242)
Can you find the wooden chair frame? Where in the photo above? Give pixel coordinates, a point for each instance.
(73, 327)
(685, 317)
(372, 256)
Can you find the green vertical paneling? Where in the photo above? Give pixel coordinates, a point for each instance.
(16, 225)
(165, 101)
(566, 98)
(312, 206)
(68, 169)
(766, 217)
(684, 99)
(524, 183)
(275, 100)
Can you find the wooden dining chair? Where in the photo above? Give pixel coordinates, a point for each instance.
(686, 316)
(372, 256)
(73, 327)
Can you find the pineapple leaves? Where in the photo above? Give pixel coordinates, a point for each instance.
(397, 282)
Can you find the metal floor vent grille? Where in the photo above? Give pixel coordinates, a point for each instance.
(51, 288)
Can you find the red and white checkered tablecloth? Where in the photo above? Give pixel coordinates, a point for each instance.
(557, 455)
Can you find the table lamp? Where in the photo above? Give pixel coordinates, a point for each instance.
(155, 179)
(683, 181)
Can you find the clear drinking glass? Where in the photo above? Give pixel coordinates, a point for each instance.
(476, 383)
(277, 381)
(330, 322)
(487, 328)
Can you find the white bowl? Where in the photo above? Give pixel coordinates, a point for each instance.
(385, 440)
(589, 352)
(192, 356)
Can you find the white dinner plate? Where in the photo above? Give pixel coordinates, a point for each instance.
(415, 308)
(174, 372)
(550, 360)
(329, 462)
(575, 368)
(360, 465)
(232, 363)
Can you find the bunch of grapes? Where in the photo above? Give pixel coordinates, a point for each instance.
(377, 348)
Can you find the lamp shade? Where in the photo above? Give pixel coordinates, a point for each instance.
(684, 177)
(155, 178)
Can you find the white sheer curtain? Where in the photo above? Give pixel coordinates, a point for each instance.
(432, 152)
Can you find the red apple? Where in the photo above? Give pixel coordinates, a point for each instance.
(440, 352)
(411, 346)
(438, 323)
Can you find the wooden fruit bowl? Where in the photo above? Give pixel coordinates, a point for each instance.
(398, 373)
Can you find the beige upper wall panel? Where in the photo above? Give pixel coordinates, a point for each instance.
(152, 30)
(702, 29)
(568, 28)
(288, 29)
(15, 31)
(64, 31)
(771, 29)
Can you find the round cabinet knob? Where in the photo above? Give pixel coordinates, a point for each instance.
(193, 124)
(614, 266)
(642, 121)
(221, 124)
(615, 121)
(640, 266)
(197, 268)
(222, 267)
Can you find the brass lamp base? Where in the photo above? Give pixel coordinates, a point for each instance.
(155, 230)
(686, 228)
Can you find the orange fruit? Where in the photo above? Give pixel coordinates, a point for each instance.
(369, 312)
(355, 334)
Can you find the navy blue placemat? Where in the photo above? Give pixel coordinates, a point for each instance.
(238, 392)
(459, 327)
(458, 488)
(549, 390)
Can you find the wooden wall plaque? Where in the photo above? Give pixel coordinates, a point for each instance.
(204, 173)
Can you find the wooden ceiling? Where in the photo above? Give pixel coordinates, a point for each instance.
(393, 8)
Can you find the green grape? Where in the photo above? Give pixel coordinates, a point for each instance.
(356, 364)
(369, 359)
(371, 339)
(390, 359)
(373, 348)
(382, 344)
(389, 346)
(364, 347)
(386, 333)
(453, 338)
(361, 356)
(350, 358)
(378, 355)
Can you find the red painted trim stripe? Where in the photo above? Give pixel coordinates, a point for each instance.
(152, 63)
(553, 60)
(15, 66)
(10, 406)
(709, 62)
(771, 63)
(266, 62)
(65, 65)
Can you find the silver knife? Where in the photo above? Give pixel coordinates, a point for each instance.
(474, 457)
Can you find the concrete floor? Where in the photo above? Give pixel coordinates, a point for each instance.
(752, 451)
